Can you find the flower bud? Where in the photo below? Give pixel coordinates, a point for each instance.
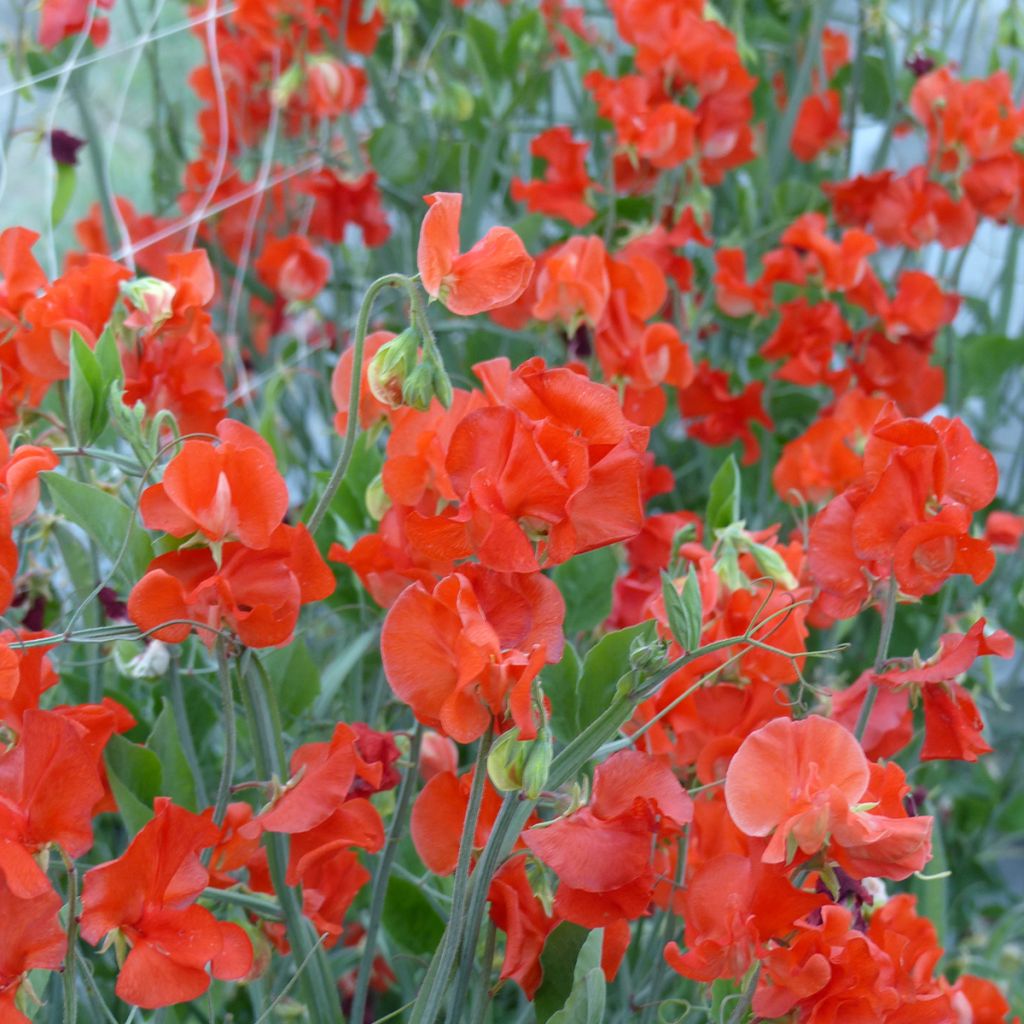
(418, 389)
(538, 765)
(376, 498)
(771, 563)
(391, 366)
(153, 300)
(286, 85)
(506, 760)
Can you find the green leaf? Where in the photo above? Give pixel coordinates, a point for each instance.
(561, 685)
(605, 664)
(106, 520)
(876, 89)
(724, 496)
(585, 1004)
(165, 742)
(410, 918)
(63, 193)
(86, 408)
(296, 675)
(558, 960)
(685, 610)
(109, 358)
(586, 583)
(395, 152)
(987, 359)
(136, 778)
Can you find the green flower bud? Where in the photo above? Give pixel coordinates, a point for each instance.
(391, 366)
(505, 762)
(538, 765)
(376, 498)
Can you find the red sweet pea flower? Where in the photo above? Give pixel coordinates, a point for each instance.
(572, 283)
(439, 818)
(718, 417)
(25, 673)
(602, 853)
(563, 190)
(818, 125)
(49, 790)
(1004, 530)
(801, 783)
(827, 457)
(468, 651)
(495, 272)
(255, 593)
(231, 491)
(322, 776)
(550, 469)
(732, 905)
(832, 971)
(177, 363)
(952, 723)
(292, 268)
(371, 410)
(148, 894)
(733, 295)
(81, 300)
(32, 940)
(516, 910)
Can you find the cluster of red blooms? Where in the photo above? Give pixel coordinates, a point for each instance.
(974, 168)
(170, 356)
(776, 858)
(270, 67)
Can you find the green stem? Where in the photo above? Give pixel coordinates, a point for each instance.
(70, 959)
(94, 150)
(888, 619)
(228, 710)
(483, 996)
(431, 995)
(380, 879)
(317, 983)
(181, 722)
(266, 908)
(352, 427)
(780, 148)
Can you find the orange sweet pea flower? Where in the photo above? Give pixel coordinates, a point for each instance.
(602, 853)
(148, 894)
(467, 651)
(225, 492)
(292, 268)
(801, 782)
(255, 593)
(32, 940)
(495, 272)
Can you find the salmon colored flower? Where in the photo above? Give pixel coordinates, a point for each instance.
(50, 789)
(148, 894)
(32, 940)
(818, 125)
(255, 593)
(495, 272)
(293, 269)
(563, 191)
(468, 651)
(802, 783)
(552, 467)
(439, 818)
(602, 853)
(572, 283)
(719, 417)
(231, 491)
(517, 911)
